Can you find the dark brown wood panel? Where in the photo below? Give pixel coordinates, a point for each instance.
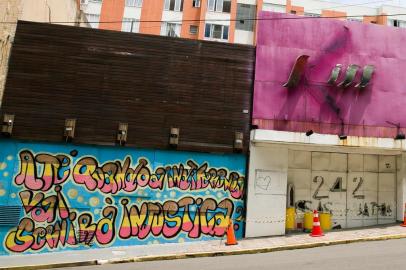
(103, 77)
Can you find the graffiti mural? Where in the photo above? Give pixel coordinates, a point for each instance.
(77, 197)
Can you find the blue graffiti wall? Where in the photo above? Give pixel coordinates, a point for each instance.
(56, 197)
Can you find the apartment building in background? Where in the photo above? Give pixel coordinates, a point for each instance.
(231, 21)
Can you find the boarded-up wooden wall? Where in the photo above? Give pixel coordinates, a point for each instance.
(102, 78)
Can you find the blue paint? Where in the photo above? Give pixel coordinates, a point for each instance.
(81, 200)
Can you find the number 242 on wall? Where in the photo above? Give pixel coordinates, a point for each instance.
(337, 187)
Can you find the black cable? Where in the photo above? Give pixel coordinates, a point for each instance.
(226, 20)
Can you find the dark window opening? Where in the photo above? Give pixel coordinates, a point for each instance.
(217, 31)
(207, 30)
(227, 6)
(196, 3)
(193, 29)
(225, 32)
(172, 5)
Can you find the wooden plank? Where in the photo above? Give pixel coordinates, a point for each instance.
(104, 77)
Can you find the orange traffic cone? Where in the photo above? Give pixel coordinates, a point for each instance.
(404, 218)
(230, 235)
(316, 231)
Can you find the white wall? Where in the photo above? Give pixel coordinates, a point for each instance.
(297, 159)
(276, 2)
(224, 18)
(92, 7)
(247, 2)
(168, 15)
(387, 9)
(401, 186)
(274, 7)
(266, 202)
(353, 143)
(132, 12)
(49, 11)
(9, 10)
(314, 6)
(243, 37)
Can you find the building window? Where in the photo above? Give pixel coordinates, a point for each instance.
(393, 23)
(293, 12)
(174, 5)
(354, 19)
(245, 17)
(196, 3)
(216, 31)
(274, 8)
(130, 25)
(308, 14)
(170, 29)
(397, 23)
(133, 3)
(93, 20)
(193, 29)
(219, 5)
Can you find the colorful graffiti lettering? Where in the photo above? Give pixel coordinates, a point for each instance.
(167, 219)
(54, 209)
(54, 170)
(170, 218)
(114, 176)
(78, 201)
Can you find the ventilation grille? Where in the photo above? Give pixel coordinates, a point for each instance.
(9, 215)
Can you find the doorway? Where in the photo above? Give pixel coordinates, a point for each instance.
(356, 189)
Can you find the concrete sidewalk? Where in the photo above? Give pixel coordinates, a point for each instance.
(197, 249)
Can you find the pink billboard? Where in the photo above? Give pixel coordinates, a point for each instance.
(330, 76)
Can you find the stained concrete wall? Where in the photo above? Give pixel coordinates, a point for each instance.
(52, 11)
(9, 10)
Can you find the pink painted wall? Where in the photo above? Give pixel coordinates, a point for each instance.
(329, 42)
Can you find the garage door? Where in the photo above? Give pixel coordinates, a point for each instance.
(358, 190)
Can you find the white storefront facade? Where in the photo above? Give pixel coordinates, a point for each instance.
(360, 181)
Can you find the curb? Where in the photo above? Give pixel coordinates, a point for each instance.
(204, 254)
(250, 251)
(49, 266)
(255, 251)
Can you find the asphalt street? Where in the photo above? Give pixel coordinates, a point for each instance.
(390, 254)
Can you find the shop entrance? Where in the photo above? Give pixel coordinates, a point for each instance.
(356, 189)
